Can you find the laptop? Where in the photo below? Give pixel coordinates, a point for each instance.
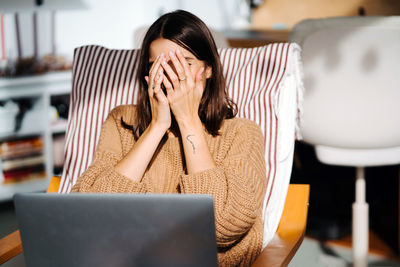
(116, 229)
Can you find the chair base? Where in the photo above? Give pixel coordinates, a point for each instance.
(377, 246)
(360, 234)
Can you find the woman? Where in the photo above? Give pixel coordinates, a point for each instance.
(182, 137)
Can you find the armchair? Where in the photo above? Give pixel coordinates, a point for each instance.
(265, 82)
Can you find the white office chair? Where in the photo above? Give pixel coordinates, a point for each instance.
(352, 100)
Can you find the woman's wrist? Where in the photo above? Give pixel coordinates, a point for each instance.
(158, 127)
(134, 164)
(197, 153)
(190, 123)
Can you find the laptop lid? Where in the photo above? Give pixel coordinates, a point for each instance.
(116, 229)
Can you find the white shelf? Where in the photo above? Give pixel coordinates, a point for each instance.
(48, 78)
(60, 126)
(52, 84)
(26, 133)
(41, 88)
(7, 191)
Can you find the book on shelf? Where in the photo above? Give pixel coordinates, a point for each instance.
(15, 145)
(22, 160)
(23, 174)
(15, 163)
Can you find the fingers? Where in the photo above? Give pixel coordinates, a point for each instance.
(173, 77)
(150, 90)
(156, 86)
(179, 64)
(187, 73)
(156, 63)
(154, 71)
(168, 86)
(158, 92)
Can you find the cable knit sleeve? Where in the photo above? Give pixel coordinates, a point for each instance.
(101, 175)
(237, 183)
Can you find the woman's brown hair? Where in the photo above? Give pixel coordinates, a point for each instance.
(189, 32)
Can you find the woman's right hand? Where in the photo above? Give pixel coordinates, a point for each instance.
(134, 164)
(160, 110)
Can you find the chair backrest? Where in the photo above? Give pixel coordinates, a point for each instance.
(351, 80)
(264, 82)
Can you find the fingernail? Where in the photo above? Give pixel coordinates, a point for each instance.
(163, 62)
(178, 51)
(171, 54)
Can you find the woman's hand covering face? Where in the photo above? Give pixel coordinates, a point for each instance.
(183, 77)
(160, 110)
(184, 86)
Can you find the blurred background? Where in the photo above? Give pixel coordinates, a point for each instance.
(78, 22)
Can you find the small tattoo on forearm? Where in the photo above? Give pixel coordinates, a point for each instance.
(191, 142)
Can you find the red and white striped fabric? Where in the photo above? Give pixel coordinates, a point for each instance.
(265, 82)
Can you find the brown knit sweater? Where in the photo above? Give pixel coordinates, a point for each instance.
(237, 183)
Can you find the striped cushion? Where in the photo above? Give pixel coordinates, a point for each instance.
(105, 78)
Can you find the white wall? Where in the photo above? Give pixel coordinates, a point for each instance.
(104, 22)
(112, 23)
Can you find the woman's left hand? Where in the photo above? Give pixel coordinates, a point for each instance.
(184, 89)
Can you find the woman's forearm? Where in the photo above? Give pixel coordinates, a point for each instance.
(197, 153)
(134, 164)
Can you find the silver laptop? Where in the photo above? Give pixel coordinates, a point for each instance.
(116, 229)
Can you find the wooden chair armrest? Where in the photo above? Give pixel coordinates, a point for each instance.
(10, 246)
(54, 184)
(290, 234)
